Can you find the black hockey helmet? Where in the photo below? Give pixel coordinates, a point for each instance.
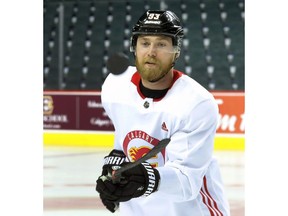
(158, 22)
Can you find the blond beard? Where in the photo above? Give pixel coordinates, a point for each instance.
(152, 74)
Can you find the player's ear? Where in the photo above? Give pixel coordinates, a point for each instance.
(177, 55)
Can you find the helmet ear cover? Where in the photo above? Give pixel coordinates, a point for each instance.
(157, 22)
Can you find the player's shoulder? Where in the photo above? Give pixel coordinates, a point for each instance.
(192, 97)
(190, 88)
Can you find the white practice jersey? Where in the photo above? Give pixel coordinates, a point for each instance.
(190, 183)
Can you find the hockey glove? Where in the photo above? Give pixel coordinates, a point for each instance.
(137, 181)
(115, 158)
(111, 206)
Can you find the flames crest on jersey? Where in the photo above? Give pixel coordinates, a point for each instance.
(135, 153)
(137, 143)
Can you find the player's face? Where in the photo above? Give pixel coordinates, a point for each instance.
(154, 56)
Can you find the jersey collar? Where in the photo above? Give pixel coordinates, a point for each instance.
(136, 81)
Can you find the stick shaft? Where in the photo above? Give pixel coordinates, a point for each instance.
(161, 145)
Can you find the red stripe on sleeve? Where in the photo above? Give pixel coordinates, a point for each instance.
(213, 205)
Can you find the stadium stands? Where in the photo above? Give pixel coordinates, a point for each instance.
(212, 50)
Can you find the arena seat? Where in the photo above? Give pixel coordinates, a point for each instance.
(212, 51)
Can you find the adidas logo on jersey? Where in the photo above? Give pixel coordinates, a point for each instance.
(164, 127)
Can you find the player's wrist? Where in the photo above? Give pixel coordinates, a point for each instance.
(152, 177)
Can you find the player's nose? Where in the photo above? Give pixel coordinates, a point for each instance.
(152, 51)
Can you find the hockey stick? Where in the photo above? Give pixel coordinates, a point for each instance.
(116, 174)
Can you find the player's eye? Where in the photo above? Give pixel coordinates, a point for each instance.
(161, 45)
(145, 44)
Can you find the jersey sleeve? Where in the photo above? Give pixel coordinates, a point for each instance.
(189, 153)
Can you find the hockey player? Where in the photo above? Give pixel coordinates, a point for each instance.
(147, 104)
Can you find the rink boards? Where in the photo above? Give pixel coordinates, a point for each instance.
(93, 139)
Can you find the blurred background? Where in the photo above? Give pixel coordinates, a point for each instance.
(79, 36)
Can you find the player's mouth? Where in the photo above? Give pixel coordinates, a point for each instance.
(150, 64)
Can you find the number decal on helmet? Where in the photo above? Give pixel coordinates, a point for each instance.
(153, 16)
